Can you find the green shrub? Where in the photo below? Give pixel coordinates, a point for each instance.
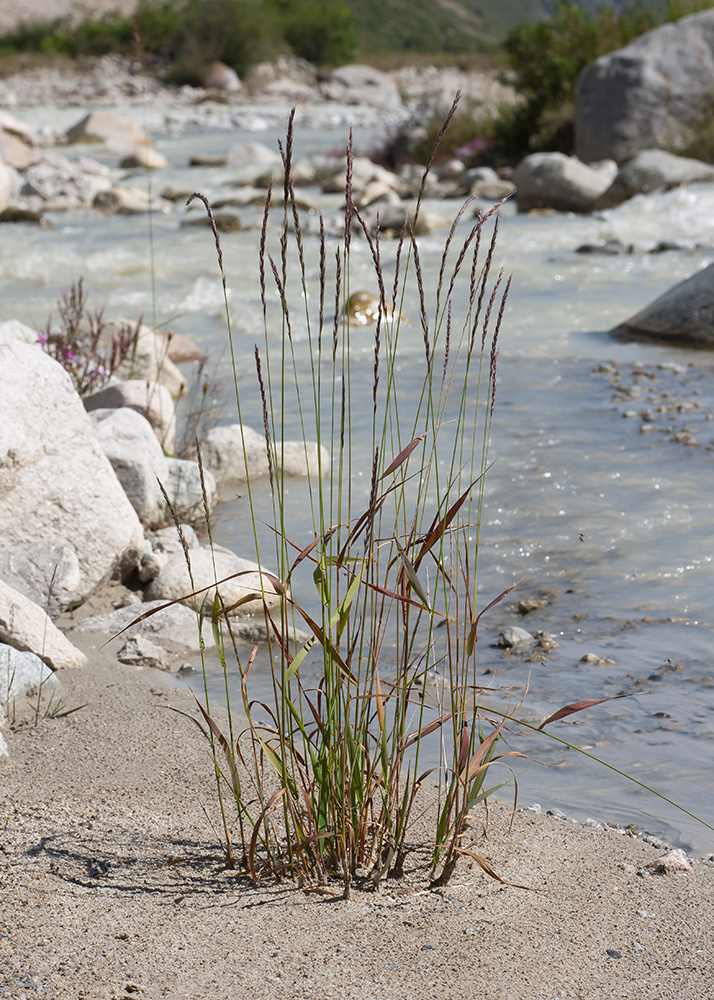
(193, 33)
(321, 32)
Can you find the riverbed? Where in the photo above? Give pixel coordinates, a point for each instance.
(609, 522)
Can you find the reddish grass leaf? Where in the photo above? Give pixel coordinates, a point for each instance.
(473, 633)
(578, 706)
(403, 455)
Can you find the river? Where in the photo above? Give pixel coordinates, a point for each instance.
(611, 524)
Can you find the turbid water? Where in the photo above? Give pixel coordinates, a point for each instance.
(610, 522)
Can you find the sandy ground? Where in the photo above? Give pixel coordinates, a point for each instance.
(112, 885)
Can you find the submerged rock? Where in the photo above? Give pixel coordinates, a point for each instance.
(512, 635)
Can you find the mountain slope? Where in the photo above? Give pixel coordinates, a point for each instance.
(439, 25)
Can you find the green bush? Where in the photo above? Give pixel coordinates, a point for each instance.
(193, 33)
(321, 32)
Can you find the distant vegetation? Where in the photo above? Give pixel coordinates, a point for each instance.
(189, 34)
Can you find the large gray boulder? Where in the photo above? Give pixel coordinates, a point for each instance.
(651, 170)
(129, 442)
(65, 522)
(682, 317)
(25, 626)
(655, 92)
(563, 183)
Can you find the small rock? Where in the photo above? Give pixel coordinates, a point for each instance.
(140, 651)
(219, 76)
(145, 158)
(557, 814)
(600, 661)
(514, 636)
(100, 126)
(530, 604)
(612, 953)
(673, 861)
(226, 222)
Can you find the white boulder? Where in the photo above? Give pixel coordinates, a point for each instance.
(25, 626)
(235, 453)
(184, 488)
(101, 126)
(563, 183)
(150, 399)
(129, 442)
(653, 169)
(149, 359)
(241, 576)
(14, 330)
(20, 671)
(60, 501)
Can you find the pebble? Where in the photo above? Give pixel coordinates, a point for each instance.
(512, 636)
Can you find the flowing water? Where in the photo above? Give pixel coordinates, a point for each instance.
(611, 526)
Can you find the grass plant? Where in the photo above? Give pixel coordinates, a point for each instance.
(323, 781)
(386, 581)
